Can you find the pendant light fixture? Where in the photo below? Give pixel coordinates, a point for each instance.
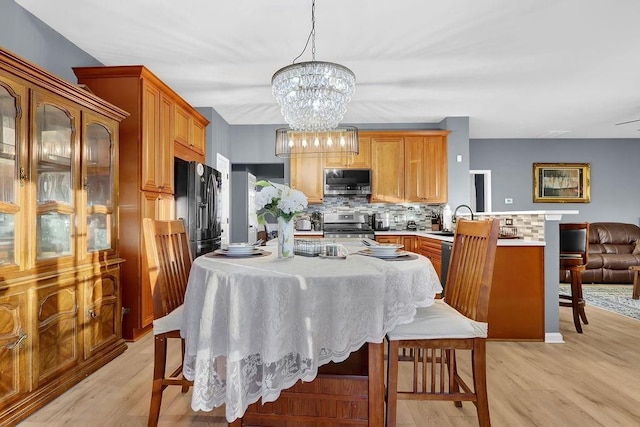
(313, 98)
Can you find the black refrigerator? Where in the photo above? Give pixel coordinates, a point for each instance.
(197, 193)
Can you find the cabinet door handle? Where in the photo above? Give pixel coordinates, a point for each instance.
(93, 314)
(18, 343)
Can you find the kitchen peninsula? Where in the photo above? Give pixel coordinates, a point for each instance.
(524, 298)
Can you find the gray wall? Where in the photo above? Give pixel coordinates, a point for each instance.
(27, 36)
(217, 135)
(615, 174)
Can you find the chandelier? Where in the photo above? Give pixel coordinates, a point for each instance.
(313, 95)
(339, 142)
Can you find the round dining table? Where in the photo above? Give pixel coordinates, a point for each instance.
(255, 325)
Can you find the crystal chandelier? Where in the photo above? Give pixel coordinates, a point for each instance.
(313, 95)
(339, 142)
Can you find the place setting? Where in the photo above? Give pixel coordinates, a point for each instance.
(387, 252)
(239, 250)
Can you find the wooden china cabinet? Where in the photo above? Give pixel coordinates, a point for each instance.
(161, 126)
(60, 284)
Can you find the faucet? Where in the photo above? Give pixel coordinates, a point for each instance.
(462, 206)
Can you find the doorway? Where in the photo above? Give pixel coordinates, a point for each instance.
(480, 190)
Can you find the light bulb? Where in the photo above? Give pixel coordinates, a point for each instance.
(304, 142)
(316, 142)
(342, 142)
(291, 144)
(329, 141)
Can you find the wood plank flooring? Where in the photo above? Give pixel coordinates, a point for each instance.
(591, 380)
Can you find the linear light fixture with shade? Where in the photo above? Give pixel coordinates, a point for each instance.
(313, 98)
(338, 142)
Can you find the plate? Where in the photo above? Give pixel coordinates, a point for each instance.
(396, 254)
(225, 252)
(385, 248)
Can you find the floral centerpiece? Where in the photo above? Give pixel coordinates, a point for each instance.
(283, 203)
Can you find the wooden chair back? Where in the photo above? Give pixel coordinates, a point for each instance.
(574, 240)
(468, 285)
(169, 261)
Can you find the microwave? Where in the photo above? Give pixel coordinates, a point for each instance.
(347, 181)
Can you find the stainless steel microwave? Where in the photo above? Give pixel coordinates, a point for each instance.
(347, 181)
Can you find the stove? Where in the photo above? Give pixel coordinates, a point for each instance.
(347, 225)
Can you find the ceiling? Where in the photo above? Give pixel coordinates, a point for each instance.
(517, 69)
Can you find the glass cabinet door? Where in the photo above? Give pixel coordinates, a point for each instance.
(54, 147)
(10, 175)
(98, 182)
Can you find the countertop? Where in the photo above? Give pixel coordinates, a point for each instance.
(424, 233)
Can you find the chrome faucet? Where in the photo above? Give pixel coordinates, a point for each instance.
(462, 206)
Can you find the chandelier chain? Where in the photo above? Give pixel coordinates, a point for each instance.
(312, 36)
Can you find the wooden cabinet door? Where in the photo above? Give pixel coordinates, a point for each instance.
(183, 125)
(165, 148)
(198, 137)
(362, 160)
(387, 169)
(432, 249)
(14, 172)
(57, 338)
(425, 169)
(14, 345)
(306, 176)
(409, 243)
(101, 316)
(151, 148)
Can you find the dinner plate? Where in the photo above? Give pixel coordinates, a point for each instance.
(226, 252)
(396, 254)
(384, 248)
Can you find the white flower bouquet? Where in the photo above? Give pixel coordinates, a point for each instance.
(280, 200)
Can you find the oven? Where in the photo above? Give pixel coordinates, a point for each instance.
(347, 225)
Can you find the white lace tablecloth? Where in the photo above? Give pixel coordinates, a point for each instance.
(255, 326)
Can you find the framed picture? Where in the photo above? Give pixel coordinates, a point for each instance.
(561, 183)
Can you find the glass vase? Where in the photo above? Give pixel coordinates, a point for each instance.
(285, 238)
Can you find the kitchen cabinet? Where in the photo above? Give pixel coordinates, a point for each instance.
(409, 166)
(387, 161)
(362, 160)
(408, 242)
(432, 249)
(161, 126)
(59, 224)
(425, 169)
(306, 174)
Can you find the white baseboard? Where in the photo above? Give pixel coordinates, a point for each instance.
(553, 338)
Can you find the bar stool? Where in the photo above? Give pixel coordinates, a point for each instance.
(574, 247)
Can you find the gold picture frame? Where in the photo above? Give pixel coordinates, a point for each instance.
(561, 183)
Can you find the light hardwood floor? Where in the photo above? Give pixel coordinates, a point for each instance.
(591, 380)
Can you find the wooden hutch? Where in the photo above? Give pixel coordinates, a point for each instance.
(60, 289)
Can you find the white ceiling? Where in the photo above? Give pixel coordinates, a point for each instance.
(516, 68)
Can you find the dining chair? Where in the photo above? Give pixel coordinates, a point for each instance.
(458, 322)
(574, 249)
(169, 262)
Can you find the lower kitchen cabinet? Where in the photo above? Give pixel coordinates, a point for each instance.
(432, 249)
(408, 242)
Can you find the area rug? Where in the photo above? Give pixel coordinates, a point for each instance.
(614, 298)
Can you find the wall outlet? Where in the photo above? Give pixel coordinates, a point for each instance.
(508, 201)
(508, 221)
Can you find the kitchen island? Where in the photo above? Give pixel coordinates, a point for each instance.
(516, 310)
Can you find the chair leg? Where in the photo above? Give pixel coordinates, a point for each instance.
(577, 304)
(159, 362)
(392, 383)
(479, 367)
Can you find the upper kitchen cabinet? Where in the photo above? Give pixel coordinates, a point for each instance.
(387, 168)
(425, 169)
(362, 160)
(408, 166)
(58, 233)
(306, 176)
(162, 126)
